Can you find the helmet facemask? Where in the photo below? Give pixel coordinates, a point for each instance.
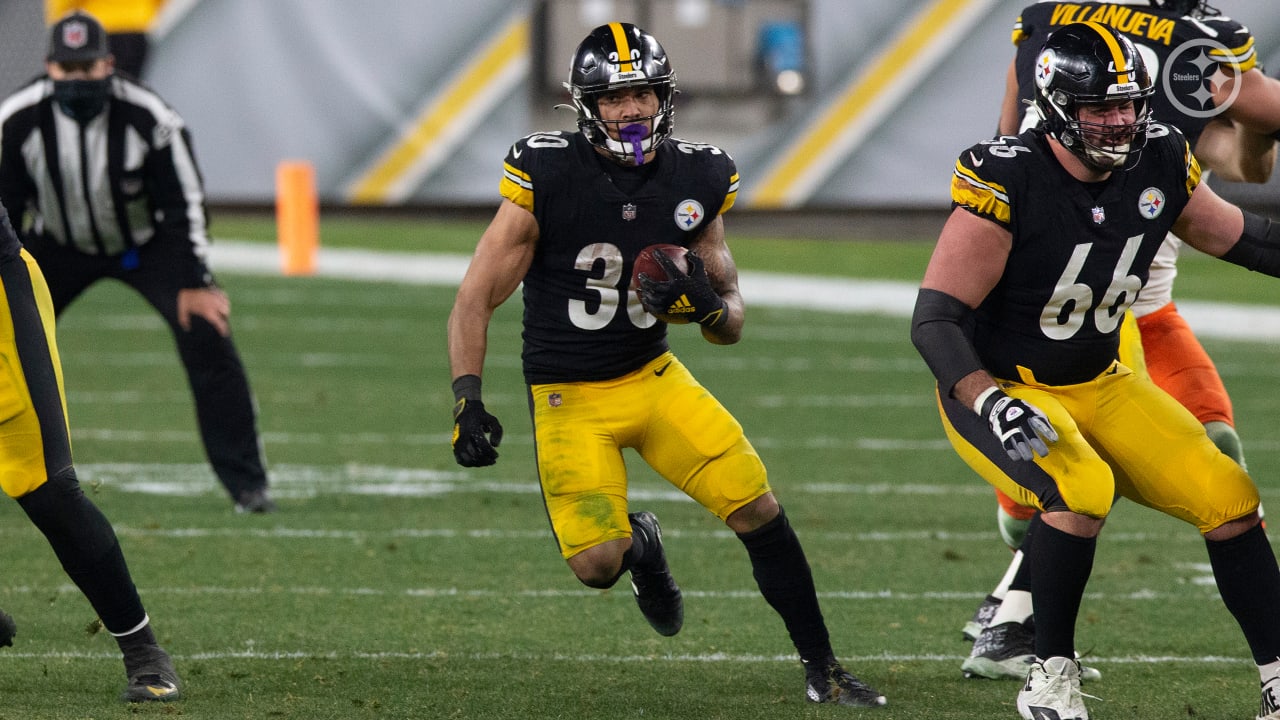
(615, 57)
(1102, 146)
(630, 139)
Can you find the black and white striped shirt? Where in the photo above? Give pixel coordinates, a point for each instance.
(125, 178)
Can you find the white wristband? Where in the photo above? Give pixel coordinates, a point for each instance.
(977, 404)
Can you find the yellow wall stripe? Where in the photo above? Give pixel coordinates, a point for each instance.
(469, 87)
(802, 165)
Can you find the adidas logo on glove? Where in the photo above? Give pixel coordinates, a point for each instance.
(681, 306)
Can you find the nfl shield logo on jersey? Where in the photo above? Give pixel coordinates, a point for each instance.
(628, 212)
(1099, 215)
(1151, 203)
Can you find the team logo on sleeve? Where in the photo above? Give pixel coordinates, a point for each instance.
(1151, 203)
(689, 214)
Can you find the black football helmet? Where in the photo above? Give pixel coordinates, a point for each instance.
(1087, 64)
(614, 56)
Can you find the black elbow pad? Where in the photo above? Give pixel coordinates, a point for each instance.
(940, 329)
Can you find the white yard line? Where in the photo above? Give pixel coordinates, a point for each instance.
(1210, 320)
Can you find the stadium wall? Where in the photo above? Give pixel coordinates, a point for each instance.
(414, 102)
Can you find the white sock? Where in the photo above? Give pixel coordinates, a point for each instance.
(1012, 570)
(1015, 608)
(1270, 670)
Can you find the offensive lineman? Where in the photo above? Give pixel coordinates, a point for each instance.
(1190, 49)
(1050, 240)
(577, 208)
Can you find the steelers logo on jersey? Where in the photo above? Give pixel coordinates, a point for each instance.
(689, 214)
(1151, 203)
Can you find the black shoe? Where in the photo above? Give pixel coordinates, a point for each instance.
(8, 628)
(255, 501)
(151, 677)
(1004, 651)
(656, 591)
(981, 618)
(1007, 651)
(829, 682)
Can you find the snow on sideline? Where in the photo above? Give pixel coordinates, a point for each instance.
(882, 297)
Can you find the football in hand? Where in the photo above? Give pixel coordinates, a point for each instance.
(647, 264)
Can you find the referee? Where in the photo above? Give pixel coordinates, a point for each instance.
(98, 173)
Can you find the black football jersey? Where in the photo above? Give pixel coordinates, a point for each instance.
(10, 246)
(1182, 53)
(581, 320)
(1081, 251)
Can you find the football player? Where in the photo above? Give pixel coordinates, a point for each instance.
(1051, 238)
(1233, 132)
(36, 470)
(577, 208)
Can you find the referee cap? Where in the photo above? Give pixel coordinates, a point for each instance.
(77, 37)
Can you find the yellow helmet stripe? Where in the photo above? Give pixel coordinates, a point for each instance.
(624, 47)
(1117, 55)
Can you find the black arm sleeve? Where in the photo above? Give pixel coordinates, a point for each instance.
(941, 327)
(1258, 248)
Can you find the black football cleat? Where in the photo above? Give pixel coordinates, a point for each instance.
(8, 628)
(829, 682)
(656, 591)
(151, 677)
(981, 618)
(256, 502)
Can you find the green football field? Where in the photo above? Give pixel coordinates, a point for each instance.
(395, 584)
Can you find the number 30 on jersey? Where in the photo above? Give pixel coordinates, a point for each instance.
(610, 287)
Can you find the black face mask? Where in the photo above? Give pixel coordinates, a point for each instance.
(81, 99)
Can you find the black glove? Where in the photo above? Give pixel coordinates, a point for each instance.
(1021, 426)
(685, 297)
(475, 432)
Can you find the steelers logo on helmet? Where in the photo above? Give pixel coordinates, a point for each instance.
(1045, 68)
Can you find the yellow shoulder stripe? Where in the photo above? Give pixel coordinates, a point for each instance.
(1193, 170)
(731, 196)
(1242, 59)
(516, 186)
(986, 198)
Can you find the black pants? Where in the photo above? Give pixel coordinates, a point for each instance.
(224, 403)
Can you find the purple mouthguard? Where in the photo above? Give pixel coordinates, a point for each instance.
(634, 134)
